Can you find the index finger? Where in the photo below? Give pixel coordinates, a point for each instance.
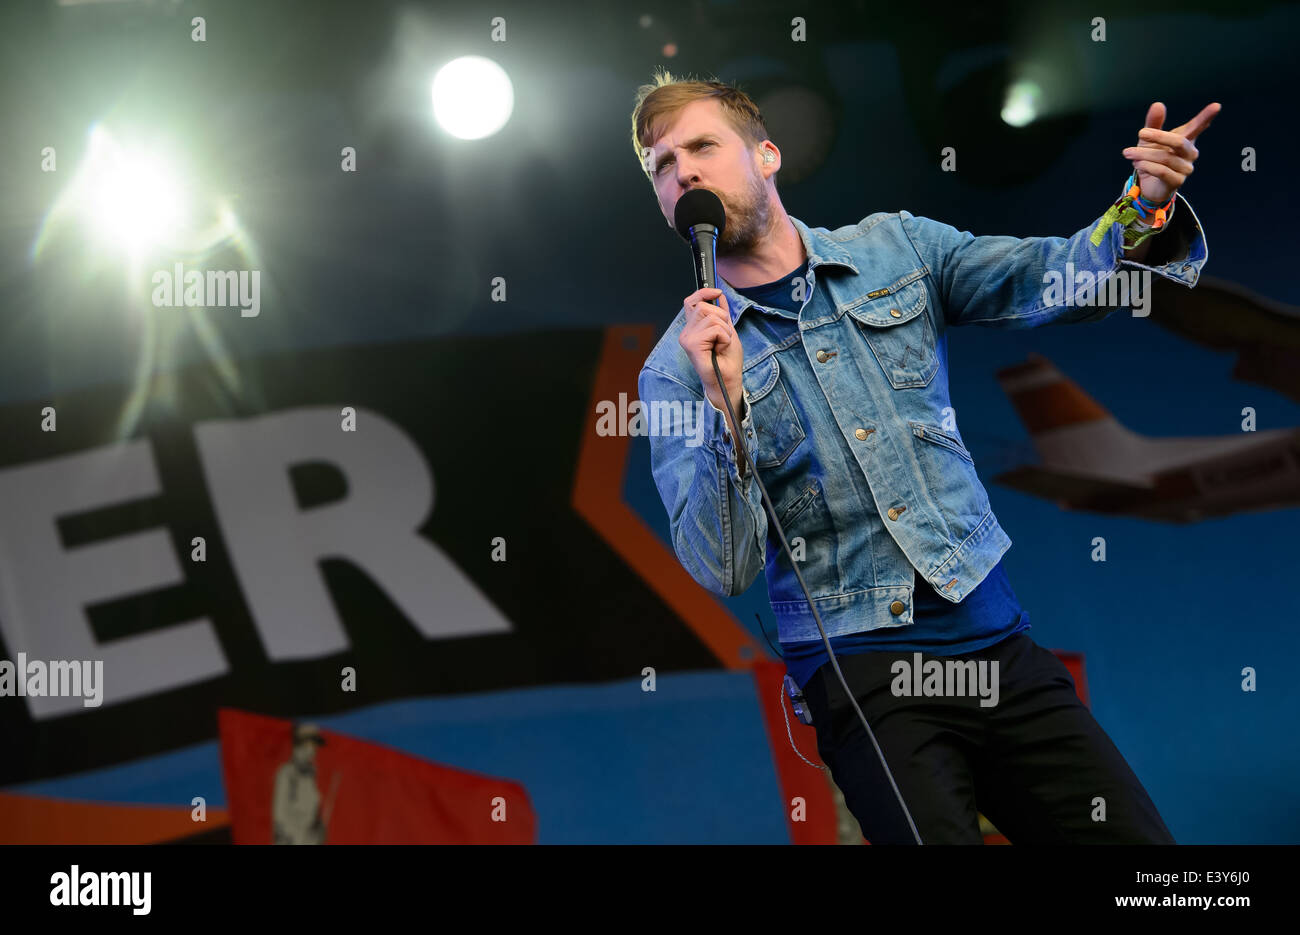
(1194, 127)
(702, 295)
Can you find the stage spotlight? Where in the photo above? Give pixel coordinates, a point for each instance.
(1022, 102)
(129, 196)
(472, 97)
(1029, 123)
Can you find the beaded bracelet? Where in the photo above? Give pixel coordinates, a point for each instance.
(1133, 211)
(1141, 229)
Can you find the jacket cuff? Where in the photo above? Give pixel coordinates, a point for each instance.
(1177, 252)
(720, 435)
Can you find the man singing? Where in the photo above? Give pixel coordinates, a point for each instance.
(833, 349)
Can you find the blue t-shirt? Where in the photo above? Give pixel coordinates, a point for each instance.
(987, 615)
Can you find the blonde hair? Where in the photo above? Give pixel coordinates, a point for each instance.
(659, 101)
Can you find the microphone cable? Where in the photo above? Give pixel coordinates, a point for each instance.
(739, 445)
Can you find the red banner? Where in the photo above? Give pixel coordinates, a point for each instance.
(290, 783)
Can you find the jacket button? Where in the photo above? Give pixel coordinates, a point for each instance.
(896, 511)
(896, 608)
(862, 434)
(896, 313)
(822, 357)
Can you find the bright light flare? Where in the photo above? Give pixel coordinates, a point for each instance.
(472, 97)
(1022, 104)
(130, 196)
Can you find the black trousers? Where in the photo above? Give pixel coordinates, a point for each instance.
(1035, 763)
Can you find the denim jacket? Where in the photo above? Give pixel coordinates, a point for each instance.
(846, 413)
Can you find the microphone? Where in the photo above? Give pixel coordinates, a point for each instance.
(700, 219)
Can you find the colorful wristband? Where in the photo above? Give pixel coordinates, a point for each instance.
(1135, 213)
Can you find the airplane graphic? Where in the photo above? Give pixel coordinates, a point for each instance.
(1263, 333)
(1092, 463)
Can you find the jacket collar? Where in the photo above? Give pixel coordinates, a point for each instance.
(821, 251)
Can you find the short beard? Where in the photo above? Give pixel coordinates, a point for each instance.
(748, 220)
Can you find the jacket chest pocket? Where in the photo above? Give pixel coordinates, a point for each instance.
(897, 328)
(777, 429)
